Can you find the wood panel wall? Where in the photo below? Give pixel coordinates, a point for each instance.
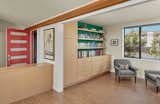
(17, 83)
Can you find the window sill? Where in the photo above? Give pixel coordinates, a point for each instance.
(147, 60)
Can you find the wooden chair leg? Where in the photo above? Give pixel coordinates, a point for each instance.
(115, 76)
(119, 79)
(146, 82)
(135, 79)
(157, 88)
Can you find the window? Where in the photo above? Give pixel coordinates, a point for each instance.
(131, 42)
(142, 42)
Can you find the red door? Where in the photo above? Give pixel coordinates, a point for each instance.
(18, 47)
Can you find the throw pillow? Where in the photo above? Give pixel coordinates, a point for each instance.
(124, 67)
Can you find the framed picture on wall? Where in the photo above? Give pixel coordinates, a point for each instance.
(114, 42)
(49, 44)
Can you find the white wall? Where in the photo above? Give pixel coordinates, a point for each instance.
(2, 49)
(58, 70)
(115, 32)
(58, 63)
(3, 26)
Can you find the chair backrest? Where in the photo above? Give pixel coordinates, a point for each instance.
(117, 62)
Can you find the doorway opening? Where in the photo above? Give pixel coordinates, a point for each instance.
(34, 45)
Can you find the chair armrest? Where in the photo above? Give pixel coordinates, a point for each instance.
(152, 71)
(117, 68)
(158, 78)
(133, 68)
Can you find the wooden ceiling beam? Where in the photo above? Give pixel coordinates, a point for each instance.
(97, 5)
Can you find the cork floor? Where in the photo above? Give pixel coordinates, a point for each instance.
(102, 90)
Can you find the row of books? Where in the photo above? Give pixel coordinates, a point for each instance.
(90, 44)
(89, 53)
(91, 29)
(90, 36)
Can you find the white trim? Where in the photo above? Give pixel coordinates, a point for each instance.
(31, 46)
(6, 38)
(58, 71)
(38, 46)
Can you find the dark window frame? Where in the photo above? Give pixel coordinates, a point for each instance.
(140, 34)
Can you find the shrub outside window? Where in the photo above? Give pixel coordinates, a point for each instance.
(142, 42)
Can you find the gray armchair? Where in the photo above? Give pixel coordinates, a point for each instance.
(153, 77)
(122, 73)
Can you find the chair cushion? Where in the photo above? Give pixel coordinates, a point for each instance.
(153, 76)
(124, 66)
(127, 72)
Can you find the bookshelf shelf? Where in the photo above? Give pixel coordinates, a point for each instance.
(85, 39)
(87, 30)
(90, 48)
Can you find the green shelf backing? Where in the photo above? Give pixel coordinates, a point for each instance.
(90, 40)
(89, 26)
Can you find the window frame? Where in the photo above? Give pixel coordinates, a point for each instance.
(140, 34)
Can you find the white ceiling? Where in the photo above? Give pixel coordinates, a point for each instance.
(27, 12)
(148, 10)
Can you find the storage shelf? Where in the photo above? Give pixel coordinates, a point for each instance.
(90, 30)
(91, 57)
(90, 39)
(88, 48)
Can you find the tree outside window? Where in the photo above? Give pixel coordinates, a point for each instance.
(142, 42)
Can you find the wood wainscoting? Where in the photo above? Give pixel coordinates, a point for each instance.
(21, 82)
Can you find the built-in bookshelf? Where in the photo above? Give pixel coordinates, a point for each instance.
(90, 40)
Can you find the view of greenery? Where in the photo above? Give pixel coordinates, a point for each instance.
(132, 44)
(148, 43)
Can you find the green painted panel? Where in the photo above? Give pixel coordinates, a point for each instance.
(89, 26)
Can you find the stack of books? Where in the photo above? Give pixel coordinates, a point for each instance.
(90, 53)
(90, 36)
(89, 45)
